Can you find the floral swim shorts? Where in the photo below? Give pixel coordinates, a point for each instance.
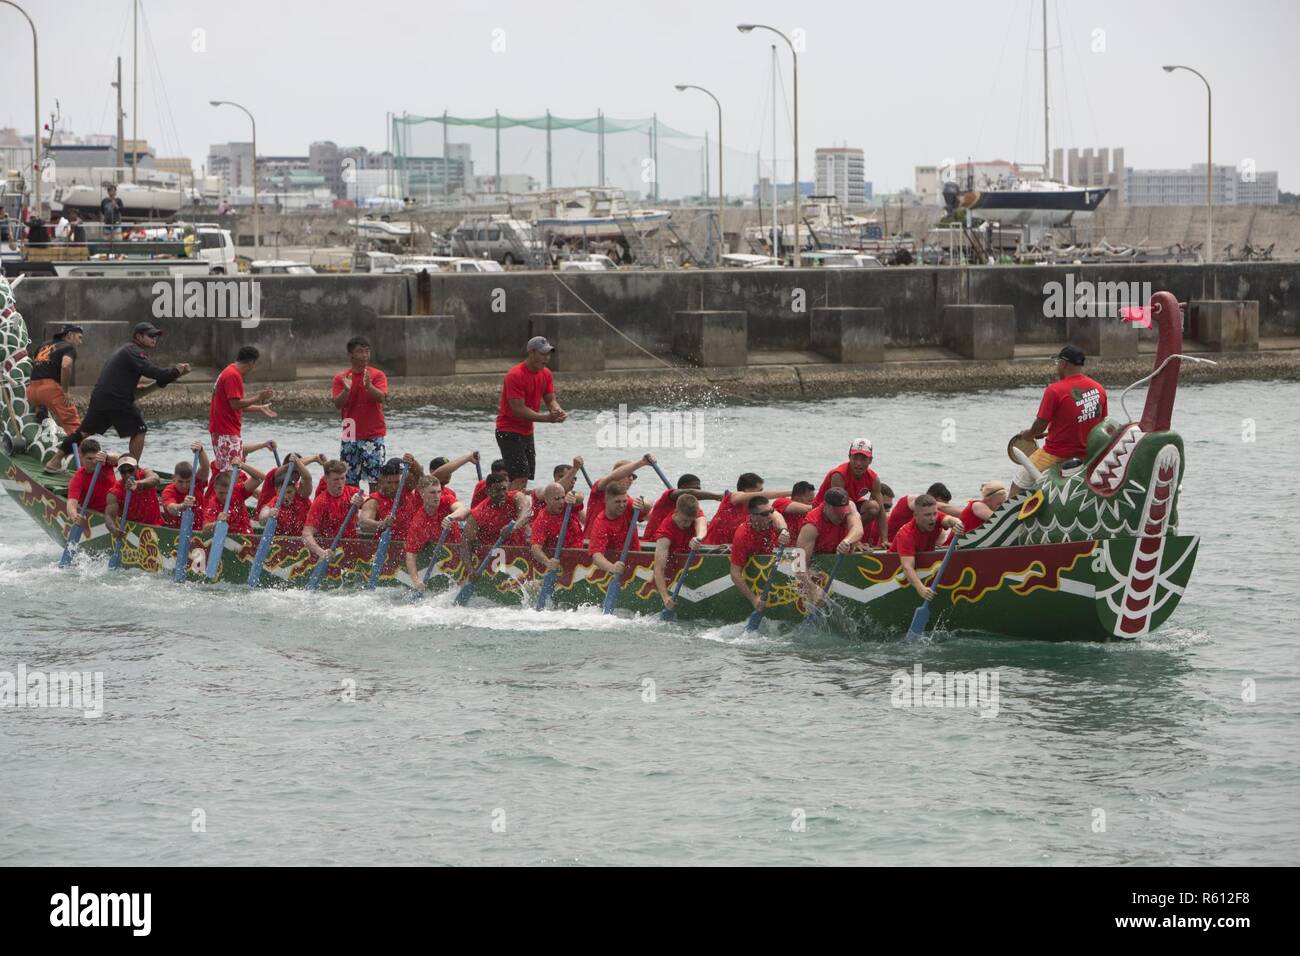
(363, 458)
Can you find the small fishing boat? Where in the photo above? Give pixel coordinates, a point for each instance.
(1093, 552)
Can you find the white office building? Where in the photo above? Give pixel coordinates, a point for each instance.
(841, 172)
(1232, 186)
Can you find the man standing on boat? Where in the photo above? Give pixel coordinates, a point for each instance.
(110, 211)
(52, 377)
(1071, 407)
(857, 478)
(524, 390)
(226, 411)
(360, 392)
(112, 400)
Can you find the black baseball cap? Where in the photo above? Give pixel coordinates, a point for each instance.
(1072, 354)
(67, 328)
(146, 328)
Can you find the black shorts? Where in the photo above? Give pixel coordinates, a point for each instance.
(519, 454)
(126, 419)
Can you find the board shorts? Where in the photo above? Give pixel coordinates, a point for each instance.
(364, 459)
(1042, 460)
(519, 453)
(225, 450)
(47, 393)
(126, 420)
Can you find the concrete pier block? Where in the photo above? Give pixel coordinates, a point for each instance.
(415, 345)
(985, 332)
(1227, 325)
(578, 337)
(712, 338)
(102, 339)
(278, 361)
(1103, 337)
(848, 335)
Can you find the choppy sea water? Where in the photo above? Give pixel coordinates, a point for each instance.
(287, 727)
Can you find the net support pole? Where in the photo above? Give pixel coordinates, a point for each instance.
(446, 162)
(548, 149)
(654, 141)
(496, 186)
(600, 148)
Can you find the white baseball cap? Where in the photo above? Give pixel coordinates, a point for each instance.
(861, 446)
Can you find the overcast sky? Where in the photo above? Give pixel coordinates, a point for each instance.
(910, 83)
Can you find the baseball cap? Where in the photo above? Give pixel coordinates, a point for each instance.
(392, 467)
(861, 446)
(538, 343)
(1072, 354)
(66, 328)
(837, 500)
(127, 460)
(146, 328)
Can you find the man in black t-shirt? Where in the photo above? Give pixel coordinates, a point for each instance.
(52, 377)
(112, 400)
(110, 211)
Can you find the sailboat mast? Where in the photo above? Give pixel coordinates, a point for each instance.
(1047, 147)
(135, 87)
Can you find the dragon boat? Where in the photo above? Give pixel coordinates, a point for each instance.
(1092, 551)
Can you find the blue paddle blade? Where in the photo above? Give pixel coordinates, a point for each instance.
(214, 552)
(667, 614)
(463, 595)
(263, 549)
(919, 620)
(611, 597)
(70, 549)
(755, 619)
(544, 592)
(183, 546)
(381, 556)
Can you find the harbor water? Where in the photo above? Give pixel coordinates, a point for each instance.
(286, 727)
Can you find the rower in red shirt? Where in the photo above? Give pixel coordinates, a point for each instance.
(686, 484)
(291, 510)
(564, 476)
(761, 534)
(922, 534)
(378, 512)
(497, 467)
(857, 478)
(1070, 408)
(734, 509)
(80, 481)
(608, 528)
(524, 390)
(329, 508)
(438, 509)
(833, 526)
(678, 533)
(144, 496)
(175, 493)
(623, 472)
(901, 513)
(501, 506)
(978, 510)
(801, 497)
(548, 522)
(249, 483)
(271, 483)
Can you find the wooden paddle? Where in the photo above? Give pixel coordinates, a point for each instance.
(548, 582)
(264, 545)
(668, 613)
(323, 565)
(187, 530)
(922, 615)
(381, 549)
(756, 615)
(463, 595)
(74, 533)
(222, 527)
(115, 560)
(616, 585)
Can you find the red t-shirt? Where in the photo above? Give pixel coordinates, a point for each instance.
(606, 534)
(829, 534)
(661, 509)
(1072, 407)
(410, 504)
(80, 481)
(366, 414)
(492, 518)
(792, 522)
(969, 519)
(722, 527)
(293, 517)
(899, 515)
(911, 539)
(748, 541)
(528, 385)
(222, 419)
(546, 531)
(238, 521)
(480, 492)
(427, 527)
(679, 539)
(145, 508)
(174, 494)
(855, 486)
(326, 514)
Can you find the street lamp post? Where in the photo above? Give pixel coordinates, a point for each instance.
(1209, 159)
(745, 28)
(722, 195)
(257, 212)
(36, 109)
